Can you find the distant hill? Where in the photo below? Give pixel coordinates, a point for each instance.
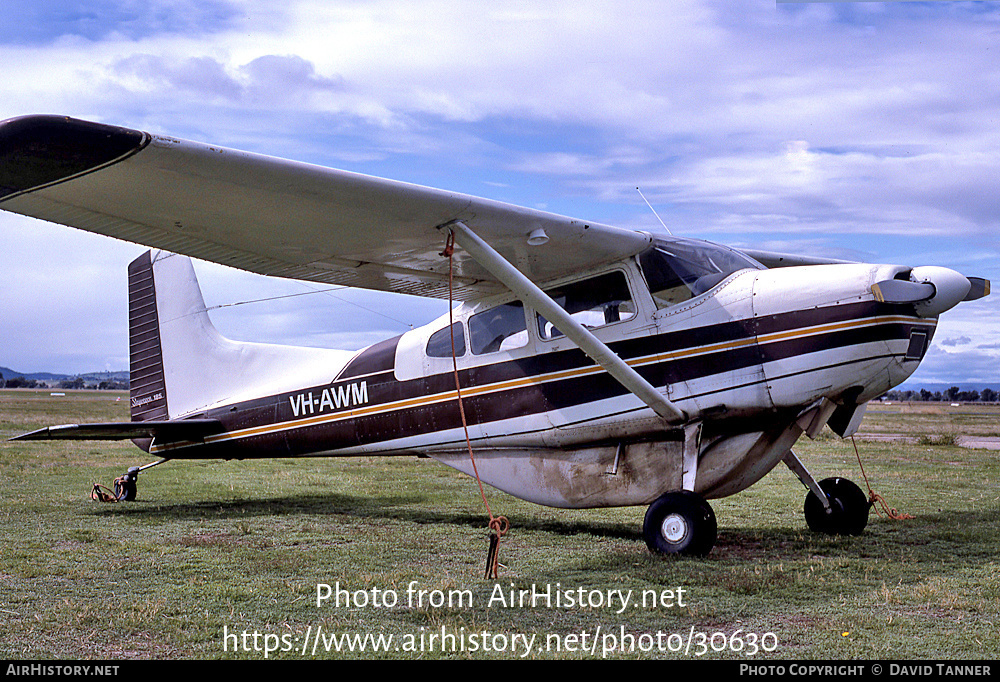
(9, 373)
(50, 377)
(934, 387)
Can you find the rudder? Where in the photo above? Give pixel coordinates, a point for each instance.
(148, 390)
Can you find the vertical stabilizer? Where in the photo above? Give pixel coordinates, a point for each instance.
(179, 362)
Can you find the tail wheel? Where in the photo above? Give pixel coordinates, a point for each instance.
(125, 486)
(680, 522)
(848, 513)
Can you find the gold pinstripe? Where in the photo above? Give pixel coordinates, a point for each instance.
(511, 384)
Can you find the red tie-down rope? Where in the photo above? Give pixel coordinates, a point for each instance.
(874, 497)
(499, 525)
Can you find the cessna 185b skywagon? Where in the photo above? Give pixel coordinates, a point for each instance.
(597, 366)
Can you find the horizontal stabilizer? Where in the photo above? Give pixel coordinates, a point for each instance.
(162, 431)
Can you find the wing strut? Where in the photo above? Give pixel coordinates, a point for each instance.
(500, 268)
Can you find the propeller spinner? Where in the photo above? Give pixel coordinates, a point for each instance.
(931, 289)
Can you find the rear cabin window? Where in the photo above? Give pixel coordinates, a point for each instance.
(678, 270)
(499, 328)
(439, 345)
(594, 302)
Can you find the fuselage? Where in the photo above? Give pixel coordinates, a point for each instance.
(744, 357)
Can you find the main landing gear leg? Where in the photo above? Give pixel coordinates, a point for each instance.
(834, 506)
(681, 521)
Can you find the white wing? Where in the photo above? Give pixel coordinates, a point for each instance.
(278, 217)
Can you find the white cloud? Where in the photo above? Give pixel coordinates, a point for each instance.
(848, 128)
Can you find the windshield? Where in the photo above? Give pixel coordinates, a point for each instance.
(680, 269)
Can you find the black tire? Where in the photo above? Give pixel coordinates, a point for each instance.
(127, 485)
(848, 508)
(680, 522)
(125, 491)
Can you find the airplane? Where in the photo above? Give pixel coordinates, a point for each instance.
(587, 365)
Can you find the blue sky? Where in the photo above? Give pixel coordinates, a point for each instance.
(858, 130)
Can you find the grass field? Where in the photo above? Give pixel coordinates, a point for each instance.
(224, 559)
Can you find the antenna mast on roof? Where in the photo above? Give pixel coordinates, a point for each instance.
(654, 212)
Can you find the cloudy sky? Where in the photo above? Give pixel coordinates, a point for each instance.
(855, 130)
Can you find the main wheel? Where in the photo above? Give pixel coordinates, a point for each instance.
(680, 522)
(848, 514)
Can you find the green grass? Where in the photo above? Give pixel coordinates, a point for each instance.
(933, 419)
(240, 547)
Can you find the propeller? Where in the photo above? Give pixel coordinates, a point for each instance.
(980, 287)
(902, 291)
(931, 289)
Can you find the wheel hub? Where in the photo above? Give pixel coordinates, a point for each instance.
(674, 528)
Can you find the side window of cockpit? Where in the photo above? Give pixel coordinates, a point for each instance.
(499, 328)
(593, 303)
(439, 345)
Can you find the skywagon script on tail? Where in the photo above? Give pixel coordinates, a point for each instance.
(597, 366)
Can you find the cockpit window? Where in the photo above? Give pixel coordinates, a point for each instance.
(593, 302)
(499, 328)
(439, 345)
(678, 270)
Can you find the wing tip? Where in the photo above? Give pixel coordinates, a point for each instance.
(41, 149)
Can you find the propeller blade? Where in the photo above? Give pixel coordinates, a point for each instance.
(902, 291)
(980, 288)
